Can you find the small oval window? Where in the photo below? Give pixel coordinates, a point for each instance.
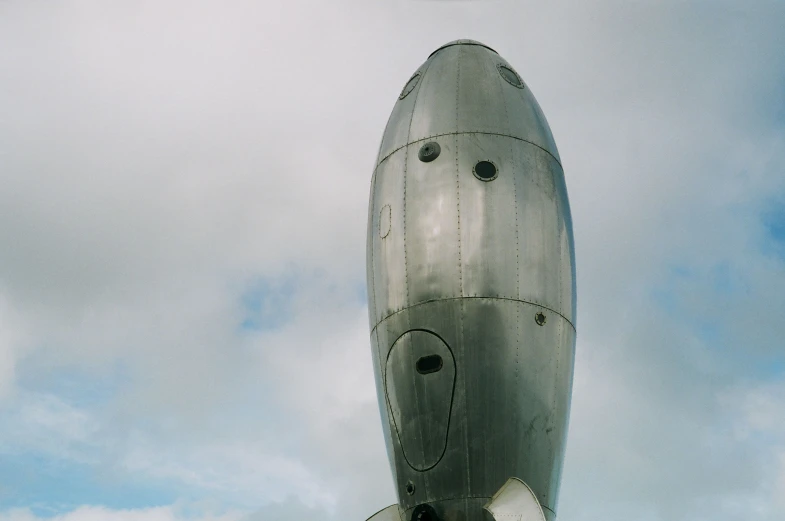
(510, 76)
(429, 364)
(385, 221)
(409, 86)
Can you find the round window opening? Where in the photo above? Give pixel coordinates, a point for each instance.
(424, 512)
(510, 76)
(485, 171)
(429, 151)
(409, 86)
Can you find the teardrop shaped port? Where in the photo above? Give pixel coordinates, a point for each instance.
(429, 364)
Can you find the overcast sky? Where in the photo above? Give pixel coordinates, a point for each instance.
(183, 198)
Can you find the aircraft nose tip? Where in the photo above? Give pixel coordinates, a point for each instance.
(461, 42)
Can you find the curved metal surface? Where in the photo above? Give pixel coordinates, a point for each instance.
(473, 262)
(460, 90)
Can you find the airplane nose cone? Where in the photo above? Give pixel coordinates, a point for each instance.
(461, 42)
(466, 87)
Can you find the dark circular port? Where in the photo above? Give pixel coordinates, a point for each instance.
(510, 76)
(540, 318)
(429, 151)
(410, 488)
(429, 364)
(424, 513)
(485, 171)
(409, 86)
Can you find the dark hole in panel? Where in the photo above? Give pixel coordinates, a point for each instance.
(485, 170)
(429, 364)
(540, 318)
(424, 512)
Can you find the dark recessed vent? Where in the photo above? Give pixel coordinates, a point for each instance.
(429, 364)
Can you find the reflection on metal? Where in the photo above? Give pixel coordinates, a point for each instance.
(515, 501)
(457, 272)
(391, 513)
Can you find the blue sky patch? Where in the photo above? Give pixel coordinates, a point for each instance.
(51, 487)
(267, 303)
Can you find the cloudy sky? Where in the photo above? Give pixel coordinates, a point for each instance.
(183, 198)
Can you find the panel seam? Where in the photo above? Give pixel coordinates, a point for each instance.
(499, 81)
(462, 342)
(508, 299)
(467, 132)
(406, 175)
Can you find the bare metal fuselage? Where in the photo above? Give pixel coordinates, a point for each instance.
(471, 289)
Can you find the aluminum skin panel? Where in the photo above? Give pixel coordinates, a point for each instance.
(489, 235)
(546, 259)
(396, 134)
(436, 231)
(461, 90)
(511, 400)
(432, 220)
(436, 110)
(387, 266)
(479, 92)
(526, 119)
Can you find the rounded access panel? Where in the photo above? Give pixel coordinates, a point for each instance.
(419, 380)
